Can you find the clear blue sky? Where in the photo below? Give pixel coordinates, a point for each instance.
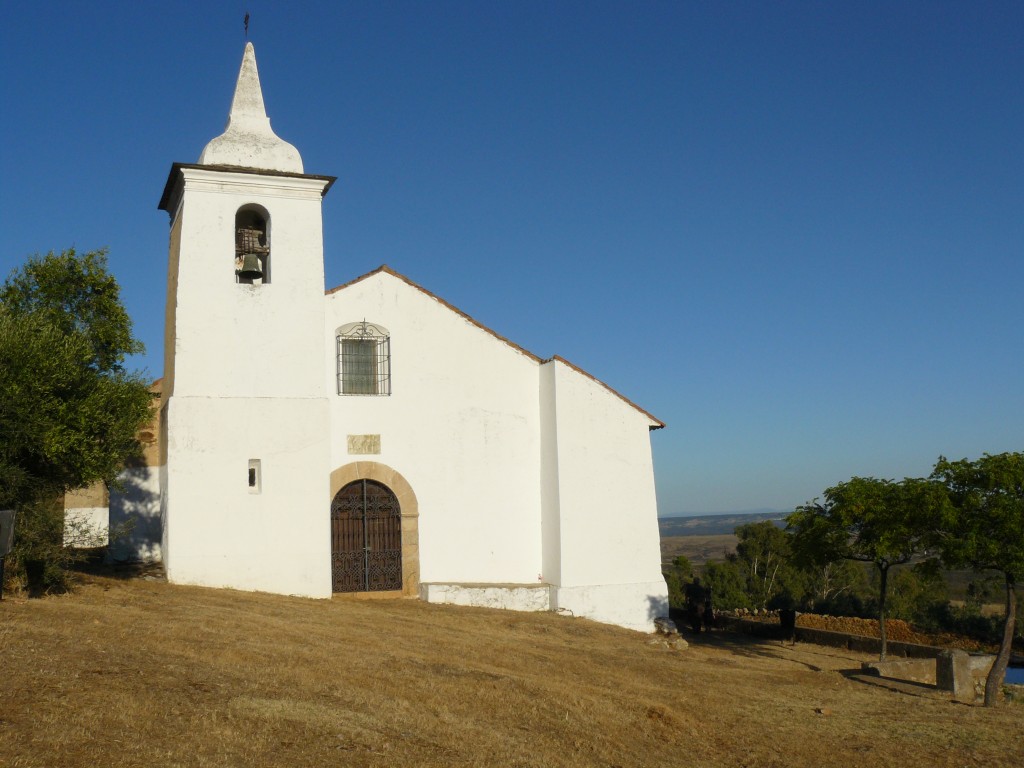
(792, 231)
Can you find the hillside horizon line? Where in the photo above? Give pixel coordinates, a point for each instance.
(758, 511)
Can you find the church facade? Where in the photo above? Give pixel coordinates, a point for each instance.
(373, 438)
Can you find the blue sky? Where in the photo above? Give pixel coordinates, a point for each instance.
(792, 231)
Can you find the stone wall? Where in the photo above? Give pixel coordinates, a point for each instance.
(825, 637)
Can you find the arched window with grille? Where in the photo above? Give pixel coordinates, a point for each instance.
(364, 359)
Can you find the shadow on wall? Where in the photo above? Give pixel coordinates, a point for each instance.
(136, 527)
(656, 606)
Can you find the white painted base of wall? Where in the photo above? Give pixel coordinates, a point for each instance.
(511, 597)
(135, 517)
(86, 527)
(634, 606)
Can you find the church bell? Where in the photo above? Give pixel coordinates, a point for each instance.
(249, 246)
(251, 267)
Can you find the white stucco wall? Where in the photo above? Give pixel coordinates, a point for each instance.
(524, 472)
(234, 340)
(609, 559)
(462, 425)
(219, 533)
(85, 527)
(551, 528)
(633, 605)
(246, 382)
(135, 516)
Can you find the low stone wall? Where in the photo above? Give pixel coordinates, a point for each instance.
(961, 674)
(956, 671)
(828, 638)
(865, 644)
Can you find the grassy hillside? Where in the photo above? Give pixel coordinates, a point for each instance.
(135, 673)
(706, 537)
(714, 525)
(697, 549)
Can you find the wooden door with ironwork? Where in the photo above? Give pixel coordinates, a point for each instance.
(366, 538)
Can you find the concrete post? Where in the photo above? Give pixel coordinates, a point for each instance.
(953, 673)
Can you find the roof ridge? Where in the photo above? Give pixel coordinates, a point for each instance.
(658, 423)
(412, 284)
(384, 268)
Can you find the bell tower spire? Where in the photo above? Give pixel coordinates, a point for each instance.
(249, 141)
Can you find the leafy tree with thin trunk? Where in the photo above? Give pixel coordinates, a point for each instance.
(882, 522)
(987, 533)
(69, 410)
(763, 549)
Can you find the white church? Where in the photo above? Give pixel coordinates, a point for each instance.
(373, 438)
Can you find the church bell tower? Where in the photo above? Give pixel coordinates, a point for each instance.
(244, 475)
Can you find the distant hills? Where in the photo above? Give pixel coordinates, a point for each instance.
(713, 525)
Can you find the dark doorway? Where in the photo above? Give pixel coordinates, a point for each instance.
(366, 538)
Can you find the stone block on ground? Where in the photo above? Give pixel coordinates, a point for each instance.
(953, 673)
(913, 670)
(666, 626)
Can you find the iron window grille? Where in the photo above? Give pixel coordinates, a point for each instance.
(364, 360)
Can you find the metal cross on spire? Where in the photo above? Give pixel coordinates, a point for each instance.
(246, 22)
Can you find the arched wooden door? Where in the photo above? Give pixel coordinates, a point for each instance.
(366, 538)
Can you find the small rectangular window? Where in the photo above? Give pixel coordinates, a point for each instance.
(255, 481)
(359, 366)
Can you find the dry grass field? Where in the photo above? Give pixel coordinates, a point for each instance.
(139, 673)
(698, 549)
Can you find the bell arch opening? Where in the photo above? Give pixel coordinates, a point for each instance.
(252, 245)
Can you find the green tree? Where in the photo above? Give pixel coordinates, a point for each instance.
(980, 591)
(69, 410)
(764, 551)
(987, 533)
(677, 575)
(728, 584)
(832, 586)
(918, 593)
(80, 299)
(882, 522)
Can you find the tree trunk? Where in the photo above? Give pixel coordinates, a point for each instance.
(882, 590)
(35, 571)
(998, 671)
(771, 584)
